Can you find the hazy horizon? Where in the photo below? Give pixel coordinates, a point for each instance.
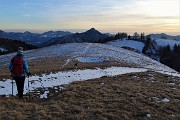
(107, 16)
(78, 31)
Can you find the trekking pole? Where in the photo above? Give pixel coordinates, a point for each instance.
(12, 87)
(28, 89)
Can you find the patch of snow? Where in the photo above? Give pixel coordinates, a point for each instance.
(170, 73)
(2, 49)
(128, 43)
(171, 83)
(151, 78)
(90, 59)
(173, 88)
(6, 87)
(148, 115)
(44, 95)
(165, 100)
(165, 42)
(155, 99)
(54, 79)
(102, 83)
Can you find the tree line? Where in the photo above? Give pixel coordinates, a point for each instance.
(123, 35)
(167, 55)
(11, 45)
(170, 57)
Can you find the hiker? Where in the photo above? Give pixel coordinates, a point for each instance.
(19, 68)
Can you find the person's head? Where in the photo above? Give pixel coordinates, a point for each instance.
(20, 51)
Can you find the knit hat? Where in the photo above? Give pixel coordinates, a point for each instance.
(20, 51)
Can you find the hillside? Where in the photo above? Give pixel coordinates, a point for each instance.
(131, 44)
(156, 49)
(138, 46)
(9, 45)
(75, 50)
(165, 42)
(120, 84)
(131, 96)
(86, 55)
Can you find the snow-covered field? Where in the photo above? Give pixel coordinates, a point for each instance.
(84, 52)
(94, 50)
(165, 42)
(91, 59)
(56, 79)
(138, 46)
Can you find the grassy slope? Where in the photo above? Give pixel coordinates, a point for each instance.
(54, 64)
(128, 96)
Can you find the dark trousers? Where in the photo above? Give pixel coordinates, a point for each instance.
(20, 85)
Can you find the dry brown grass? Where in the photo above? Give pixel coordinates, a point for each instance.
(126, 97)
(4, 72)
(55, 64)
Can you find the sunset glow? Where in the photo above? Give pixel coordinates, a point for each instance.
(149, 16)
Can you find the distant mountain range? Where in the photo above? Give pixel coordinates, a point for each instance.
(165, 36)
(60, 37)
(54, 37)
(33, 38)
(90, 36)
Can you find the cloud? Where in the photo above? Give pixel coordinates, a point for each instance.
(104, 14)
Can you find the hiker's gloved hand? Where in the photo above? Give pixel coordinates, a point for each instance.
(28, 74)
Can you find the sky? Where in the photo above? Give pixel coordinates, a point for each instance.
(149, 16)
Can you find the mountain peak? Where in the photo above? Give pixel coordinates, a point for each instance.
(93, 30)
(27, 32)
(91, 35)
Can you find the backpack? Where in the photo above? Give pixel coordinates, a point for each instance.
(17, 66)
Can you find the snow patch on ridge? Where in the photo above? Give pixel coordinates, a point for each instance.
(138, 46)
(94, 50)
(45, 81)
(165, 42)
(91, 59)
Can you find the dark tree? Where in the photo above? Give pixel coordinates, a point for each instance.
(121, 35)
(147, 45)
(136, 36)
(129, 37)
(142, 36)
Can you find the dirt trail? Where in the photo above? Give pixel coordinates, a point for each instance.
(84, 52)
